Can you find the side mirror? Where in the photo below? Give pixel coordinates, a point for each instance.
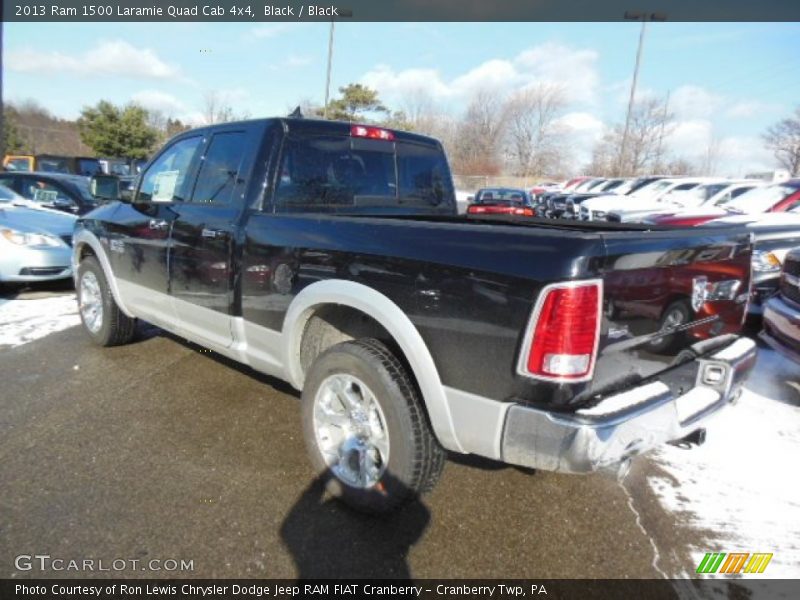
(105, 187)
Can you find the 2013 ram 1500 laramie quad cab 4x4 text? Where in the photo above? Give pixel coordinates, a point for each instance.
(331, 256)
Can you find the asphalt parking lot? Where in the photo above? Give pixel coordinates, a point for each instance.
(161, 450)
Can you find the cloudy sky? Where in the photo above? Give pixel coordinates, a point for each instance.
(726, 81)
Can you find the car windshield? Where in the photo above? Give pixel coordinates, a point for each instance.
(758, 200)
(7, 194)
(53, 165)
(500, 196)
(654, 188)
(697, 196)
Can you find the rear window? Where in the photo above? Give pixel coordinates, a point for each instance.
(339, 173)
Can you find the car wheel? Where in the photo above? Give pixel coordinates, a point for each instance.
(102, 319)
(365, 427)
(676, 314)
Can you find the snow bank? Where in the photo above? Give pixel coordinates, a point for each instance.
(22, 321)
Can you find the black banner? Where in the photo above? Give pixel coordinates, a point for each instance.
(398, 10)
(428, 589)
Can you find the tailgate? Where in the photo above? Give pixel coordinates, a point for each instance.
(664, 292)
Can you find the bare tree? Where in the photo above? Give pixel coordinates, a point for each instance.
(783, 138)
(477, 142)
(217, 109)
(651, 124)
(532, 135)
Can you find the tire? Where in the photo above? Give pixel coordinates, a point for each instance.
(679, 313)
(367, 370)
(102, 319)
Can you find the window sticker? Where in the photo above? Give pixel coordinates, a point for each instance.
(164, 186)
(45, 196)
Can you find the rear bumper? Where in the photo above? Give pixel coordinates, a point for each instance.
(628, 423)
(782, 327)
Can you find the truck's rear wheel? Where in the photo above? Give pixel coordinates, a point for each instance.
(365, 427)
(102, 319)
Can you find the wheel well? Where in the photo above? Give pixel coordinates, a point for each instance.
(331, 324)
(85, 250)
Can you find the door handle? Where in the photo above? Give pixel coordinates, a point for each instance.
(213, 233)
(156, 224)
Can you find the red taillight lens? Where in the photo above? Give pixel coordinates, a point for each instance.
(523, 211)
(563, 343)
(373, 133)
(475, 209)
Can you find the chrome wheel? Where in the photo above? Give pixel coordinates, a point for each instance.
(351, 431)
(91, 302)
(673, 319)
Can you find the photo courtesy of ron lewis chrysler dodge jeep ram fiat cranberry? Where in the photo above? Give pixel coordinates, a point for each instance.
(330, 255)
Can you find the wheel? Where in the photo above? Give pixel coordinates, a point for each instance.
(676, 314)
(365, 427)
(102, 319)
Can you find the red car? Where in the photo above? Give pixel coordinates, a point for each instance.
(779, 197)
(501, 201)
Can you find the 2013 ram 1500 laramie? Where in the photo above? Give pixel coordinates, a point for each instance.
(331, 256)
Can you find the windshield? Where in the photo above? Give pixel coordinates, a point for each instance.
(89, 166)
(697, 196)
(758, 200)
(7, 194)
(500, 196)
(53, 165)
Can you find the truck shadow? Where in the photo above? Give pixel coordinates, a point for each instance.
(327, 539)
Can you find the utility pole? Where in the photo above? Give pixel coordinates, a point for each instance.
(328, 75)
(643, 17)
(345, 12)
(661, 132)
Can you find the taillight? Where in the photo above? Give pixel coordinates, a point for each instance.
(373, 133)
(561, 340)
(476, 209)
(523, 211)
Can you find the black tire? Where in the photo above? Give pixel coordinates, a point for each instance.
(667, 344)
(116, 328)
(415, 457)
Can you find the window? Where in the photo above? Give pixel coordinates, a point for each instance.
(424, 174)
(328, 173)
(165, 180)
(220, 168)
(53, 165)
(45, 193)
(18, 164)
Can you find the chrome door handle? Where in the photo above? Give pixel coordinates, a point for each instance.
(213, 233)
(156, 224)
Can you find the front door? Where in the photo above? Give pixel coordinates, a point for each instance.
(138, 244)
(203, 245)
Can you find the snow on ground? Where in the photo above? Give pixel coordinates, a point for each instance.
(25, 320)
(741, 488)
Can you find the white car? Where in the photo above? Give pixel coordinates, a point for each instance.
(705, 195)
(597, 208)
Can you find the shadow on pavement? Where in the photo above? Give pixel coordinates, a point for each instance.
(327, 539)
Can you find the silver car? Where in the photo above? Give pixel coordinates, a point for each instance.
(35, 242)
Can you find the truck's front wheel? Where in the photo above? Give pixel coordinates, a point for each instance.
(102, 319)
(365, 427)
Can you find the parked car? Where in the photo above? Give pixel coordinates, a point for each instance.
(374, 296)
(501, 201)
(598, 208)
(35, 242)
(52, 163)
(577, 184)
(557, 203)
(707, 194)
(782, 312)
(778, 197)
(774, 235)
(546, 186)
(64, 192)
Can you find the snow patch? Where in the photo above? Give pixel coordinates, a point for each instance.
(23, 321)
(740, 489)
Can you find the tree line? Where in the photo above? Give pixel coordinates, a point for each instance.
(522, 134)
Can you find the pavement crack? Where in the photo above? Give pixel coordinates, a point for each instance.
(656, 553)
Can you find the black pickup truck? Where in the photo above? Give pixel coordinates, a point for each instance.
(330, 255)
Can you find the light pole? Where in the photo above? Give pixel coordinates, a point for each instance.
(643, 17)
(342, 13)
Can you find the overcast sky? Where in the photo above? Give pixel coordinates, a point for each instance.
(727, 81)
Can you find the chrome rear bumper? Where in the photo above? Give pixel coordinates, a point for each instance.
(628, 423)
